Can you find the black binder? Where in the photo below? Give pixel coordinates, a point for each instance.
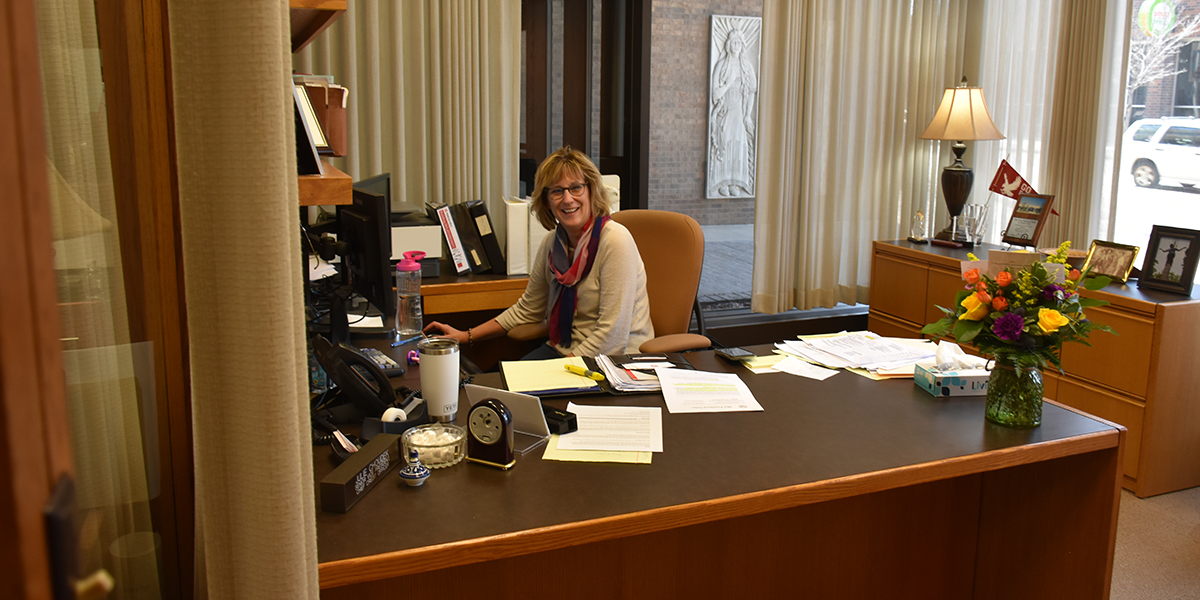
(487, 235)
(477, 257)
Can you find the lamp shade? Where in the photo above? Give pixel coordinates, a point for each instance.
(962, 115)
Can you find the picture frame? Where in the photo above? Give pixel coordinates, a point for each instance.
(1163, 268)
(1111, 260)
(308, 160)
(1025, 224)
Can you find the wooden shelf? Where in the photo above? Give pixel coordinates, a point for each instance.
(311, 17)
(322, 190)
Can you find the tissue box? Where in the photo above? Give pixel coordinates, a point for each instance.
(972, 382)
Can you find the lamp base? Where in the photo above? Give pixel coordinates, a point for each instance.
(956, 187)
(950, 234)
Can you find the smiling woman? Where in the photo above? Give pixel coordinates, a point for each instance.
(586, 281)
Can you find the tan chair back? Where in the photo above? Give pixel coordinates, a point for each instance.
(672, 249)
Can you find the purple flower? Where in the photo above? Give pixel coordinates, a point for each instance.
(1008, 326)
(1052, 292)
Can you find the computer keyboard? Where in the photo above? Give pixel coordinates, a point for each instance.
(389, 366)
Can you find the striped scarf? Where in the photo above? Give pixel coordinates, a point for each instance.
(567, 273)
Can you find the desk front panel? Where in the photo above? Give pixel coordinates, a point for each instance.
(816, 441)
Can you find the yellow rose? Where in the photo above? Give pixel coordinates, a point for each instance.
(976, 308)
(1050, 320)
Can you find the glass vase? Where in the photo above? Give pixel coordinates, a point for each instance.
(1014, 395)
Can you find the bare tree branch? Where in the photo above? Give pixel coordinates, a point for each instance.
(1153, 58)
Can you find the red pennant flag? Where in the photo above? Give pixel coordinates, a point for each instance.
(1008, 182)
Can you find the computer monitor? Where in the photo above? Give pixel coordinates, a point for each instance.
(379, 184)
(364, 233)
(382, 184)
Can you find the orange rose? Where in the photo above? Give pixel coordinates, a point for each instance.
(984, 297)
(1003, 279)
(971, 276)
(1074, 275)
(981, 287)
(999, 303)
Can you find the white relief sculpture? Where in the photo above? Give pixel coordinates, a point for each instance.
(733, 106)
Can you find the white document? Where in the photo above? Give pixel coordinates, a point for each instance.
(319, 269)
(804, 350)
(688, 391)
(628, 428)
(796, 366)
(366, 323)
(869, 351)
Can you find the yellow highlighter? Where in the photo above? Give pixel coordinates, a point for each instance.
(578, 370)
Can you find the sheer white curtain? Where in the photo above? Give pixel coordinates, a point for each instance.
(100, 366)
(434, 95)
(1051, 71)
(845, 92)
(1017, 72)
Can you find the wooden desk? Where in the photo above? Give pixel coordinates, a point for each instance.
(468, 293)
(841, 488)
(1144, 378)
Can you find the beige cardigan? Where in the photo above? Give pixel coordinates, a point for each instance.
(612, 310)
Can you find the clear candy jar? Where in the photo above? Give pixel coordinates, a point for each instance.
(437, 444)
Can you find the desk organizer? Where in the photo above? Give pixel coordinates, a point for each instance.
(348, 483)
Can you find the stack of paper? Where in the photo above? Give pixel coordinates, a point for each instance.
(862, 350)
(631, 376)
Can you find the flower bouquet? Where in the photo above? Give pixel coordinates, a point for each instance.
(1021, 319)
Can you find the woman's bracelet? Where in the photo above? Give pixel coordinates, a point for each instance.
(470, 341)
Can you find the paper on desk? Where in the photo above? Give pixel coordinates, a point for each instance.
(319, 269)
(553, 452)
(367, 323)
(870, 351)
(795, 366)
(688, 391)
(637, 428)
(539, 376)
(763, 364)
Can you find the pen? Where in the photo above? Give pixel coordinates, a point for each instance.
(578, 370)
(407, 340)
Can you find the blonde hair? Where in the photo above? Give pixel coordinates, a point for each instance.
(567, 160)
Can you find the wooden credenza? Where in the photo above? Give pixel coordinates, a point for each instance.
(1147, 377)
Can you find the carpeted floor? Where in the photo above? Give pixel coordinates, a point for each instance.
(1158, 547)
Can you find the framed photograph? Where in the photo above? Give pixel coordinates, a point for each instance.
(1111, 260)
(1027, 219)
(308, 161)
(1170, 262)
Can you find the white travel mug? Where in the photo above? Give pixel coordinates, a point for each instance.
(439, 378)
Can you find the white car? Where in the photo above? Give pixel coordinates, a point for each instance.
(1166, 148)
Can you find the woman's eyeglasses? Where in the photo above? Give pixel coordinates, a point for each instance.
(576, 191)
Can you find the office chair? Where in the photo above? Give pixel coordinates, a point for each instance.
(672, 248)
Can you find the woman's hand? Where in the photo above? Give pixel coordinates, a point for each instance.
(436, 329)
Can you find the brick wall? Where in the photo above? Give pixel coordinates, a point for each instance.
(678, 109)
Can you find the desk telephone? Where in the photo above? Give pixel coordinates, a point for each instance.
(357, 376)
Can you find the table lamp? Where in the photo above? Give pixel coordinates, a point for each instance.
(961, 116)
